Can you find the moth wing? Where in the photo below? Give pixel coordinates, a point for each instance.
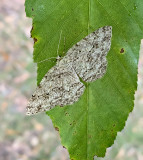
(59, 87)
(89, 55)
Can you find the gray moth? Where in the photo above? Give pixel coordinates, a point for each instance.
(61, 85)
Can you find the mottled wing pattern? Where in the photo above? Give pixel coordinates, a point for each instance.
(89, 55)
(59, 87)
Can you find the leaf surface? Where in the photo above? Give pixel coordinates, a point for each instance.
(90, 126)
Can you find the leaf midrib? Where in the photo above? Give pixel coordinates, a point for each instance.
(88, 25)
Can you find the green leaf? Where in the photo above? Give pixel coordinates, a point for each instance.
(90, 126)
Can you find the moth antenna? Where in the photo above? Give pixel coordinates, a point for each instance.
(64, 45)
(48, 59)
(59, 43)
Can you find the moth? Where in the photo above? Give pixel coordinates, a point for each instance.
(61, 85)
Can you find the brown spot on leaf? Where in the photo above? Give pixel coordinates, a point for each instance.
(74, 122)
(64, 147)
(89, 136)
(35, 40)
(122, 50)
(31, 31)
(56, 128)
(67, 114)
